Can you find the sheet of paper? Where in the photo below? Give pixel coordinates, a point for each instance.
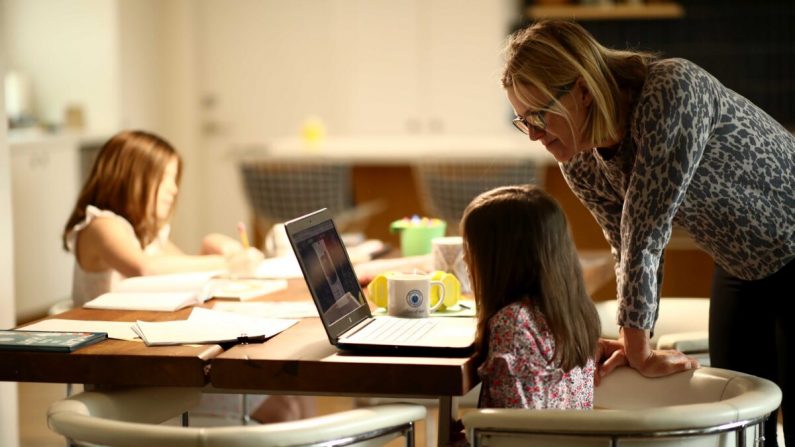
(183, 332)
(270, 309)
(156, 301)
(243, 289)
(283, 267)
(259, 325)
(209, 326)
(120, 330)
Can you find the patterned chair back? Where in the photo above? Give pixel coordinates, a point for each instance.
(447, 188)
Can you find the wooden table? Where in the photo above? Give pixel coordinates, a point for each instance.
(114, 362)
(301, 360)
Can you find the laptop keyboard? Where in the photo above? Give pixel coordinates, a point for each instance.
(399, 329)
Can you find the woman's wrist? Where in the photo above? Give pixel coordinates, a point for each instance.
(637, 346)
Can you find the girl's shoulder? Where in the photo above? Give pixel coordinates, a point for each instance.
(100, 223)
(519, 315)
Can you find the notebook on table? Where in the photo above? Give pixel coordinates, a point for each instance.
(343, 308)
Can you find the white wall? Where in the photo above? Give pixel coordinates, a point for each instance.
(9, 427)
(365, 67)
(140, 67)
(129, 63)
(69, 50)
(181, 114)
(211, 74)
(158, 92)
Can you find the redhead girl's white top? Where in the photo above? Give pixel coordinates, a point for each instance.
(520, 370)
(89, 285)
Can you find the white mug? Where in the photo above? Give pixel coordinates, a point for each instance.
(409, 295)
(277, 244)
(448, 256)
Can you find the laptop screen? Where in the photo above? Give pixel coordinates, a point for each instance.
(328, 271)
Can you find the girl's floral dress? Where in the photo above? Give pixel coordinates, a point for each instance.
(519, 371)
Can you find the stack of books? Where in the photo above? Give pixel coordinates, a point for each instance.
(53, 341)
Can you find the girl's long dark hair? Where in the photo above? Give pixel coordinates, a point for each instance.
(518, 247)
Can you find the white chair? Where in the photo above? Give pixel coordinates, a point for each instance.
(683, 324)
(130, 417)
(702, 407)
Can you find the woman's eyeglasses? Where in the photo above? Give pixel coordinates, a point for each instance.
(536, 119)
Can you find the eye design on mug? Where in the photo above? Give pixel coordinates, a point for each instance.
(414, 298)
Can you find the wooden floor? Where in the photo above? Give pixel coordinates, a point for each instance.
(34, 398)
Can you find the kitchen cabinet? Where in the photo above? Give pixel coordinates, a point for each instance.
(45, 181)
(364, 67)
(424, 66)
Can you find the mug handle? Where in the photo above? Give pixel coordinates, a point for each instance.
(441, 295)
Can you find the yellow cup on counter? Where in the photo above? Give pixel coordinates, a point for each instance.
(378, 289)
(452, 289)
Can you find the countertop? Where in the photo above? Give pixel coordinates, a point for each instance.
(398, 149)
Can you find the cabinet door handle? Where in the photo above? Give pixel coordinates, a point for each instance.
(39, 159)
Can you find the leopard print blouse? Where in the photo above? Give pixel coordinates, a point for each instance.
(700, 156)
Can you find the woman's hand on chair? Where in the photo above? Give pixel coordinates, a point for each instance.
(650, 362)
(664, 362)
(634, 349)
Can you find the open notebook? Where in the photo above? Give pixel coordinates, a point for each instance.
(175, 291)
(210, 326)
(342, 306)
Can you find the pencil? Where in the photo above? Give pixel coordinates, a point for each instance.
(241, 230)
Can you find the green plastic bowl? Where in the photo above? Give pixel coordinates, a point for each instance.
(416, 235)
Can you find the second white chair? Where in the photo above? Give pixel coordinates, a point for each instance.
(702, 407)
(131, 418)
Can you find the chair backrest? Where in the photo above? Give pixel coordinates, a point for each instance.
(698, 407)
(127, 418)
(447, 188)
(676, 315)
(280, 191)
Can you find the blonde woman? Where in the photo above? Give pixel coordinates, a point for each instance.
(645, 143)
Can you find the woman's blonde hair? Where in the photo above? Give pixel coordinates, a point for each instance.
(124, 179)
(519, 249)
(549, 55)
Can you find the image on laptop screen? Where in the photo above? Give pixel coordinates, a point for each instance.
(328, 271)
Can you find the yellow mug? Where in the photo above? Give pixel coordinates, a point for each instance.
(378, 289)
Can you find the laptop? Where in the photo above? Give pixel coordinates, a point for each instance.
(343, 308)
